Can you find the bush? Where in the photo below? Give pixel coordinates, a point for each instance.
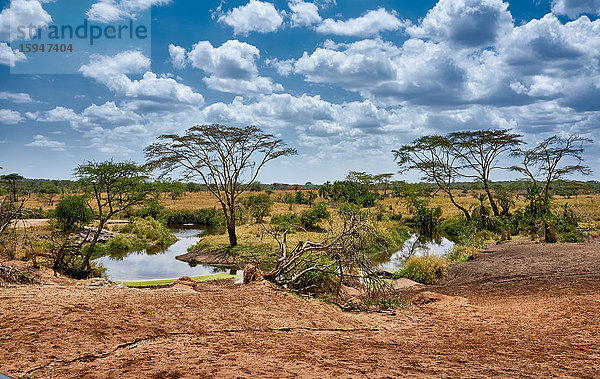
(462, 253)
(310, 218)
(289, 221)
(72, 211)
(206, 216)
(152, 209)
(427, 270)
(464, 232)
(572, 236)
(139, 234)
(259, 206)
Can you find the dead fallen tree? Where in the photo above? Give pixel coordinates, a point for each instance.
(8, 214)
(337, 262)
(12, 275)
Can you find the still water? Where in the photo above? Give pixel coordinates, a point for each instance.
(161, 264)
(143, 265)
(418, 245)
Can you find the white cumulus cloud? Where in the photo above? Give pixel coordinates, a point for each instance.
(231, 67)
(18, 16)
(469, 23)
(8, 116)
(42, 141)
(574, 8)
(369, 24)
(16, 97)
(105, 11)
(112, 71)
(304, 13)
(10, 57)
(256, 16)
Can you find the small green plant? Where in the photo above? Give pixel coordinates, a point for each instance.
(426, 270)
(289, 221)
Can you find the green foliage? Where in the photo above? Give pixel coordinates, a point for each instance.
(139, 234)
(416, 198)
(461, 253)
(348, 191)
(464, 232)
(349, 208)
(286, 221)
(310, 218)
(379, 248)
(426, 270)
(205, 216)
(259, 206)
(72, 211)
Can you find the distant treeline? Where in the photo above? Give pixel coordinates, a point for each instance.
(44, 186)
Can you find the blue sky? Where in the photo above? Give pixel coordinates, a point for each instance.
(343, 82)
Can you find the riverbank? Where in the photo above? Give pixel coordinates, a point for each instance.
(517, 309)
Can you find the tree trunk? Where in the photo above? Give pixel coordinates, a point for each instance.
(463, 209)
(492, 201)
(232, 236)
(84, 268)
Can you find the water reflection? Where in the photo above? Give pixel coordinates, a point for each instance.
(418, 245)
(159, 264)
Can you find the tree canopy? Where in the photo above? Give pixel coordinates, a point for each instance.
(227, 159)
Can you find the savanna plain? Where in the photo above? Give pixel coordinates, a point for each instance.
(517, 307)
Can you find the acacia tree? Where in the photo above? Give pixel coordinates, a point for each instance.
(479, 151)
(222, 157)
(12, 180)
(384, 180)
(545, 163)
(433, 157)
(113, 188)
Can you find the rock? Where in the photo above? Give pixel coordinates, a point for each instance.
(350, 294)
(252, 273)
(185, 282)
(98, 282)
(88, 234)
(403, 283)
(427, 297)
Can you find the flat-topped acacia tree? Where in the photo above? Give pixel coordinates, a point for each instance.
(227, 159)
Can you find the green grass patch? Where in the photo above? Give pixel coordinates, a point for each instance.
(168, 282)
(426, 270)
(462, 253)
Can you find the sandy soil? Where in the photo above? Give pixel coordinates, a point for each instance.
(519, 309)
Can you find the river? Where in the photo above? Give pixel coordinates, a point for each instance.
(161, 264)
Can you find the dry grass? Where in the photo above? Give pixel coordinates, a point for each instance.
(586, 206)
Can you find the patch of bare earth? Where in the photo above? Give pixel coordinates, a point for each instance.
(518, 309)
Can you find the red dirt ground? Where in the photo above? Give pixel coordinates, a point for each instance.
(518, 309)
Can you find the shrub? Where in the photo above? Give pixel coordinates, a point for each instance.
(427, 270)
(139, 234)
(206, 216)
(259, 206)
(310, 218)
(152, 209)
(72, 211)
(572, 236)
(289, 221)
(462, 253)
